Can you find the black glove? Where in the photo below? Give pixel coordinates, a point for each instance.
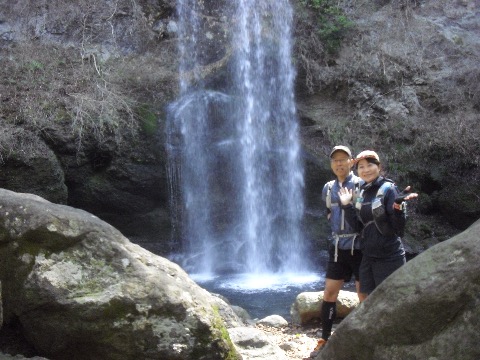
(401, 196)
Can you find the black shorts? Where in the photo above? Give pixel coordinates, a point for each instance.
(374, 271)
(346, 265)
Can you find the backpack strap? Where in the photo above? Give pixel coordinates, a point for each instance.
(328, 198)
(337, 239)
(383, 189)
(378, 209)
(356, 190)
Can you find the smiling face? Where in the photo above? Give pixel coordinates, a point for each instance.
(341, 164)
(368, 171)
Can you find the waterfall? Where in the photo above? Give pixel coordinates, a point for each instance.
(234, 166)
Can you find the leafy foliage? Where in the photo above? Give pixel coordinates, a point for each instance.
(332, 24)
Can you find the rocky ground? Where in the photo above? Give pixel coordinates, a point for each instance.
(297, 341)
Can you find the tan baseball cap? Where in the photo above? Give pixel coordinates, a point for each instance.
(341, 148)
(367, 154)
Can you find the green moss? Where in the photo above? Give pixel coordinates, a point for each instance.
(30, 248)
(95, 283)
(219, 325)
(118, 309)
(457, 40)
(148, 119)
(217, 336)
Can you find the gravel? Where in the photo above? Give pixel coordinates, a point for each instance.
(297, 341)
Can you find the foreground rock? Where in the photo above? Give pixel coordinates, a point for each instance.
(308, 306)
(428, 309)
(79, 289)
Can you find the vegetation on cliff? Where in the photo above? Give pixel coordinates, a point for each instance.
(405, 82)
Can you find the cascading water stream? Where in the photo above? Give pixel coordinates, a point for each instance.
(273, 179)
(235, 171)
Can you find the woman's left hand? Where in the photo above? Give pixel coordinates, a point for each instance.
(405, 195)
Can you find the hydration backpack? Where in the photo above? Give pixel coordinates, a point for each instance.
(378, 208)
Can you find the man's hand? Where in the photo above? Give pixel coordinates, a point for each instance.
(345, 195)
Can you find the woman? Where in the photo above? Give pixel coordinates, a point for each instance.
(379, 215)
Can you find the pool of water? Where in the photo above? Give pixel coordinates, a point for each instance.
(262, 295)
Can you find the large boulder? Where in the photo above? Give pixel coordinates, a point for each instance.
(308, 306)
(79, 289)
(427, 309)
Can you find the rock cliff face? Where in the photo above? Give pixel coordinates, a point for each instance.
(84, 88)
(404, 83)
(74, 130)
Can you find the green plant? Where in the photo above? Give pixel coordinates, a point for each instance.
(34, 65)
(333, 24)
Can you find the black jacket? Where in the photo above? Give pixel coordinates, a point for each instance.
(373, 242)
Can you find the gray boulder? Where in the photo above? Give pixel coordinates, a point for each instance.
(275, 321)
(80, 290)
(308, 306)
(427, 309)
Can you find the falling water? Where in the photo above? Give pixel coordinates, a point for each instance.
(235, 172)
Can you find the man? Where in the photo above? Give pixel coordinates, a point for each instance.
(344, 254)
